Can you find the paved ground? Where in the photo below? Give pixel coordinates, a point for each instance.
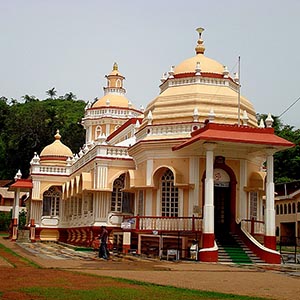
(272, 281)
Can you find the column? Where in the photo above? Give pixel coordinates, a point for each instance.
(208, 211)
(209, 252)
(15, 215)
(270, 226)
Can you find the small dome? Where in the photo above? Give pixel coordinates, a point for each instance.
(207, 65)
(57, 148)
(111, 100)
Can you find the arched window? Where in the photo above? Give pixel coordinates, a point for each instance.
(121, 201)
(281, 209)
(118, 83)
(277, 209)
(289, 208)
(285, 209)
(51, 200)
(169, 195)
(98, 131)
(298, 207)
(116, 198)
(293, 208)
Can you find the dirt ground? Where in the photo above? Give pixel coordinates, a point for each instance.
(274, 282)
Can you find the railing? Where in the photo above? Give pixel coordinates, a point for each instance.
(145, 223)
(289, 248)
(254, 227)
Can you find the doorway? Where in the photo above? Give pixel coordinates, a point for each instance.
(222, 209)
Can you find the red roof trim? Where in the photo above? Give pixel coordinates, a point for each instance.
(236, 134)
(53, 157)
(22, 183)
(123, 126)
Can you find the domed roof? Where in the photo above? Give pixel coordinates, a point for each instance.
(57, 148)
(207, 65)
(197, 89)
(111, 100)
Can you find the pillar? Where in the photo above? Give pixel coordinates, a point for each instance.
(15, 215)
(209, 252)
(270, 226)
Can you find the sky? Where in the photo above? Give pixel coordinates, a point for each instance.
(71, 45)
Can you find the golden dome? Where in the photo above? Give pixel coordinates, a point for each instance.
(111, 100)
(56, 149)
(207, 65)
(205, 88)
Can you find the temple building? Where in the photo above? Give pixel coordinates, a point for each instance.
(195, 165)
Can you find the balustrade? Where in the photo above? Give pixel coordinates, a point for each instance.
(164, 223)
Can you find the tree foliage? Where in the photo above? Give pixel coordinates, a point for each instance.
(29, 126)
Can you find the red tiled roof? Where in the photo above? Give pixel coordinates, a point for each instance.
(22, 184)
(236, 134)
(123, 126)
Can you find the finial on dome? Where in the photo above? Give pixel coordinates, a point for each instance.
(200, 47)
(115, 67)
(57, 136)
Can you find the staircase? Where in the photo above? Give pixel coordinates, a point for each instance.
(233, 250)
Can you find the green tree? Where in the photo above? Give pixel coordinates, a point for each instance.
(51, 93)
(70, 96)
(30, 126)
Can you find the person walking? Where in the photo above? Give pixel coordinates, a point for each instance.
(103, 236)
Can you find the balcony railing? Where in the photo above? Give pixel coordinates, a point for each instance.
(147, 223)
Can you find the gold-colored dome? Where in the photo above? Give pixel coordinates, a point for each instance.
(205, 88)
(207, 65)
(56, 149)
(111, 100)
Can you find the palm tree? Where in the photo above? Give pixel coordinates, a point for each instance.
(70, 96)
(51, 93)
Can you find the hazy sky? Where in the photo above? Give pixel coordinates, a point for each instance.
(71, 45)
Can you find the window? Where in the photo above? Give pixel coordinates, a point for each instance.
(140, 208)
(121, 201)
(253, 205)
(98, 131)
(169, 195)
(51, 199)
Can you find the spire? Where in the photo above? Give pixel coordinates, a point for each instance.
(57, 136)
(115, 67)
(114, 82)
(200, 47)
